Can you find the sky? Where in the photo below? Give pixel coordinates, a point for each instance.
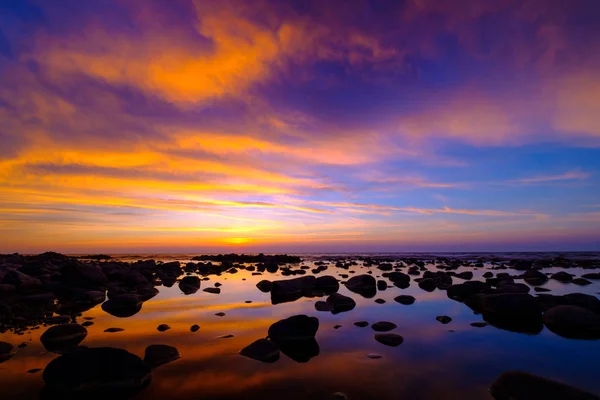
(299, 126)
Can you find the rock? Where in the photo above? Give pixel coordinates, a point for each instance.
(261, 350)
(535, 277)
(299, 351)
(194, 328)
(427, 284)
(444, 319)
(62, 337)
(34, 370)
(322, 306)
(593, 275)
(296, 328)
(284, 291)
(337, 326)
(163, 327)
(7, 350)
(365, 285)
(189, 284)
(361, 324)
(573, 322)
(516, 312)
(220, 314)
(587, 301)
(83, 275)
(541, 289)
(516, 385)
(404, 299)
(58, 319)
(389, 339)
(562, 276)
(123, 306)
(488, 274)
(381, 285)
(20, 280)
(466, 275)
(463, 291)
(225, 336)
(160, 354)
(22, 345)
(513, 288)
(87, 323)
(112, 330)
(479, 324)
(379, 301)
(212, 290)
(102, 372)
(339, 303)
(340, 396)
(374, 356)
(327, 284)
(581, 281)
(383, 326)
(264, 286)
(399, 279)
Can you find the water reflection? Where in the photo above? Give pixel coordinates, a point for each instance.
(430, 363)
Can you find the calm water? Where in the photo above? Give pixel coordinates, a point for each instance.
(436, 361)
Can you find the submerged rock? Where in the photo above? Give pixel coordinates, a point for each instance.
(444, 319)
(102, 372)
(463, 291)
(404, 299)
(361, 324)
(112, 330)
(214, 290)
(389, 339)
(516, 385)
(194, 328)
(262, 350)
(160, 354)
(573, 322)
(383, 326)
(7, 350)
(163, 327)
(63, 337)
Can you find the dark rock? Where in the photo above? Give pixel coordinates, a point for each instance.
(427, 284)
(463, 291)
(399, 278)
(327, 284)
(300, 351)
(220, 314)
(261, 350)
(587, 301)
(160, 354)
(284, 291)
(379, 301)
(58, 319)
(405, 299)
(189, 284)
(322, 306)
(212, 290)
(339, 303)
(63, 337)
(535, 277)
(34, 370)
(516, 312)
(488, 274)
(7, 350)
(163, 327)
(593, 275)
(389, 339)
(381, 285)
(562, 276)
(515, 385)
(102, 372)
(123, 306)
(573, 322)
(444, 319)
(466, 275)
(513, 288)
(479, 324)
(383, 326)
(194, 328)
(540, 289)
(581, 281)
(83, 275)
(112, 330)
(264, 286)
(361, 324)
(337, 326)
(296, 328)
(20, 280)
(87, 323)
(374, 356)
(365, 285)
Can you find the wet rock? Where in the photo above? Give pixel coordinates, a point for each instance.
(404, 299)
(365, 285)
(300, 351)
(214, 290)
(540, 289)
(288, 290)
(296, 328)
(123, 306)
(444, 319)
(194, 328)
(220, 314)
(113, 330)
(562, 276)
(156, 355)
(535, 277)
(513, 288)
(488, 274)
(587, 301)
(581, 281)
(339, 303)
(22, 345)
(83, 275)
(340, 396)
(337, 326)
(381, 285)
(399, 279)
(264, 286)
(327, 284)
(463, 291)
(87, 323)
(427, 285)
(466, 275)
(34, 370)
(379, 301)
(361, 324)
(512, 311)
(63, 337)
(7, 350)
(58, 319)
(593, 275)
(102, 372)
(261, 350)
(479, 324)
(516, 385)
(163, 327)
(573, 322)
(383, 326)
(20, 280)
(322, 306)
(389, 339)
(189, 284)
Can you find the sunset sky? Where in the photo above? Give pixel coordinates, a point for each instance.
(308, 125)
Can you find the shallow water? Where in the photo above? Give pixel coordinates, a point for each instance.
(436, 361)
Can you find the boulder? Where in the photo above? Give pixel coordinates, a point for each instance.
(516, 385)
(535, 277)
(562, 276)
(288, 290)
(383, 326)
(327, 284)
(404, 299)
(123, 306)
(63, 337)
(365, 285)
(264, 286)
(261, 350)
(389, 339)
(295, 328)
(361, 324)
(160, 354)
(463, 291)
(7, 350)
(427, 284)
(102, 372)
(83, 275)
(339, 303)
(573, 322)
(381, 285)
(213, 290)
(20, 280)
(444, 319)
(189, 284)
